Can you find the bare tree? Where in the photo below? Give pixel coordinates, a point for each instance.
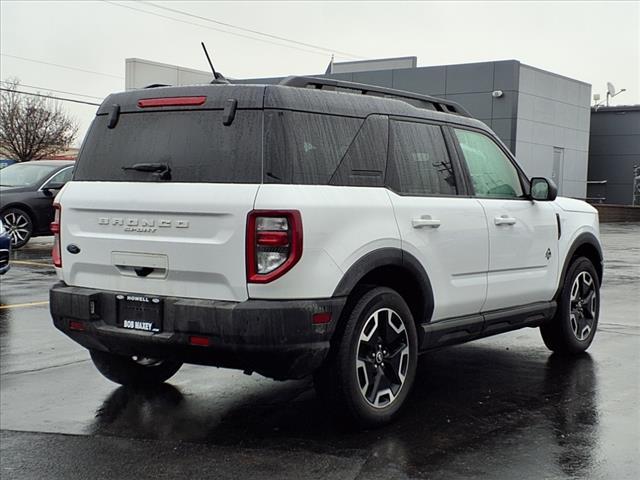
(32, 128)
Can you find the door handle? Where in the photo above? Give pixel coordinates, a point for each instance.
(425, 221)
(504, 220)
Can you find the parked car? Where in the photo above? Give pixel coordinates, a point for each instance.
(5, 162)
(5, 249)
(27, 191)
(291, 231)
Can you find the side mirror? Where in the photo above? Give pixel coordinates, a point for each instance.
(50, 189)
(543, 189)
(53, 186)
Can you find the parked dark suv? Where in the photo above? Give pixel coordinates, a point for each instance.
(27, 191)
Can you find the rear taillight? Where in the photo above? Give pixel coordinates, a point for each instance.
(56, 253)
(76, 325)
(199, 341)
(274, 243)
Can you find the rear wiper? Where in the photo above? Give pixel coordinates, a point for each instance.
(148, 167)
(162, 169)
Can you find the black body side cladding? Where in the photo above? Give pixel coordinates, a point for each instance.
(459, 330)
(452, 330)
(582, 240)
(372, 260)
(385, 257)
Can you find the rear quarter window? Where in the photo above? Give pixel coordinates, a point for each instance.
(194, 143)
(305, 148)
(365, 162)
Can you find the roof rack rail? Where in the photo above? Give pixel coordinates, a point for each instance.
(415, 99)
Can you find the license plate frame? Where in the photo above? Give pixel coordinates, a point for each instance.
(139, 312)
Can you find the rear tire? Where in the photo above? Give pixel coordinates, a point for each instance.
(371, 367)
(574, 325)
(19, 226)
(134, 371)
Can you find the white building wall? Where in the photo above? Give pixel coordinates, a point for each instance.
(140, 73)
(553, 111)
(375, 64)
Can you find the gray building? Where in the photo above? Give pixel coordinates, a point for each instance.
(614, 154)
(541, 116)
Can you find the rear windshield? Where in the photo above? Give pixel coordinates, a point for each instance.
(194, 144)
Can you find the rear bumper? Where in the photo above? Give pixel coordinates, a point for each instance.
(275, 338)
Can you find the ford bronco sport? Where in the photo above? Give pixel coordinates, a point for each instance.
(314, 227)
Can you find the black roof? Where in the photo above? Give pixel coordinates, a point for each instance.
(335, 102)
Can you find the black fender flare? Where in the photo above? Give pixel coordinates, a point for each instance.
(389, 256)
(585, 238)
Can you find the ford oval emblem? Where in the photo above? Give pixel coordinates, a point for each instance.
(71, 248)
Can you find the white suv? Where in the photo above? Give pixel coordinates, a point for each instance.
(338, 230)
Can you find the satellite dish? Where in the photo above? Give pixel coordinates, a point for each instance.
(611, 89)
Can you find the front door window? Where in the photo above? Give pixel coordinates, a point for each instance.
(492, 173)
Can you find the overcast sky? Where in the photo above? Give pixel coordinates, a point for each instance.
(590, 41)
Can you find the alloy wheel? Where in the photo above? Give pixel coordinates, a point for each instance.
(17, 225)
(583, 307)
(382, 357)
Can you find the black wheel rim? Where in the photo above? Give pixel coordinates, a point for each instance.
(17, 225)
(382, 358)
(584, 302)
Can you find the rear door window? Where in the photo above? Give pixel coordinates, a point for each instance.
(305, 148)
(193, 143)
(419, 162)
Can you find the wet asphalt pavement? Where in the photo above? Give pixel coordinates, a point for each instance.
(501, 407)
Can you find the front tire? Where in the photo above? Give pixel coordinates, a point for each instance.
(372, 366)
(19, 226)
(134, 371)
(574, 325)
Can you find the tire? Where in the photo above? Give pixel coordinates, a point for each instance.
(134, 371)
(574, 325)
(372, 364)
(19, 226)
